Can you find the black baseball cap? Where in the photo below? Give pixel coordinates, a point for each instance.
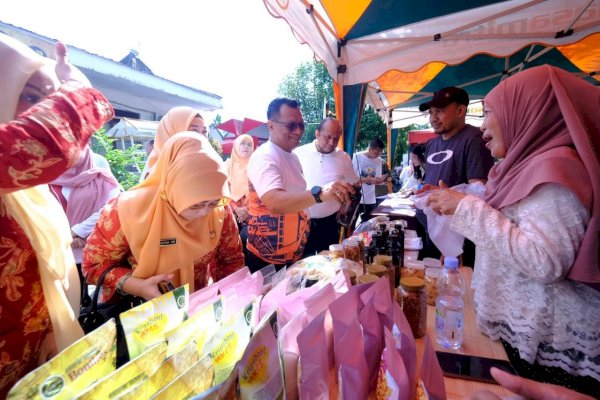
(445, 97)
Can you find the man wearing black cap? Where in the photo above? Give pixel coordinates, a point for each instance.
(458, 154)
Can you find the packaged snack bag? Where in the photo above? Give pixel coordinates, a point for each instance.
(146, 324)
(198, 328)
(372, 339)
(288, 344)
(252, 284)
(166, 372)
(228, 344)
(200, 298)
(259, 369)
(431, 373)
(405, 343)
(74, 369)
(393, 382)
(353, 375)
(128, 376)
(293, 303)
(319, 301)
(313, 364)
(344, 311)
(197, 379)
(232, 279)
(272, 298)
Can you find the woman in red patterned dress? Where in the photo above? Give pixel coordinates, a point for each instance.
(37, 144)
(173, 226)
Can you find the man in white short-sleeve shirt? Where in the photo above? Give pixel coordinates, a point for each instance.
(278, 227)
(323, 163)
(368, 165)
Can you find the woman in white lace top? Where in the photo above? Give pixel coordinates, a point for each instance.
(537, 275)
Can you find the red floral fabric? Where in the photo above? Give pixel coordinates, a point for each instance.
(35, 149)
(107, 246)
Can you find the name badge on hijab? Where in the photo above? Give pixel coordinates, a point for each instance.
(168, 242)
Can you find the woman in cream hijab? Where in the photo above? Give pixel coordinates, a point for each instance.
(37, 144)
(176, 120)
(173, 226)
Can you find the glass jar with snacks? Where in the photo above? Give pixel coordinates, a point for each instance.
(351, 250)
(377, 270)
(413, 300)
(383, 259)
(361, 246)
(336, 251)
(413, 268)
(352, 276)
(431, 277)
(367, 278)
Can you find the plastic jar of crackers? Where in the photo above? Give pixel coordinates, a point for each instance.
(413, 268)
(413, 300)
(336, 251)
(431, 277)
(351, 250)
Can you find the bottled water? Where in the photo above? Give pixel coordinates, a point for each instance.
(449, 306)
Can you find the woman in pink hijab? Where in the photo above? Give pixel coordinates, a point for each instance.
(537, 276)
(82, 191)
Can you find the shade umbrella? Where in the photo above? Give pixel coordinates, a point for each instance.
(395, 53)
(232, 125)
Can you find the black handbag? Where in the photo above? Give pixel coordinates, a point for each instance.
(94, 315)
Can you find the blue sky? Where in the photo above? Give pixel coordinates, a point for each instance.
(233, 48)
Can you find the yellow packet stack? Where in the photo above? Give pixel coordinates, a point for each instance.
(146, 324)
(199, 328)
(169, 370)
(129, 375)
(74, 369)
(197, 379)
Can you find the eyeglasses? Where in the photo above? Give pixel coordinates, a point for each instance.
(291, 126)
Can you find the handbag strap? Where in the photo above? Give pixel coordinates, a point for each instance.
(99, 287)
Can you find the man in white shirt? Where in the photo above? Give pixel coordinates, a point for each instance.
(368, 166)
(323, 163)
(278, 226)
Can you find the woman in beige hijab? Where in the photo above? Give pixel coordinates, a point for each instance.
(176, 120)
(38, 142)
(173, 226)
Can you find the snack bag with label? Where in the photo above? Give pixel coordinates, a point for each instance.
(74, 369)
(128, 376)
(200, 327)
(392, 381)
(146, 324)
(259, 369)
(197, 379)
(228, 344)
(166, 372)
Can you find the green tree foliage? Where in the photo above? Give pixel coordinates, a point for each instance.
(371, 126)
(312, 86)
(126, 165)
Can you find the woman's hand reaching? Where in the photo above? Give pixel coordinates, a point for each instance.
(65, 71)
(145, 287)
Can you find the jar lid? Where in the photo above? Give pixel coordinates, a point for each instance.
(376, 268)
(412, 282)
(433, 272)
(367, 278)
(432, 262)
(382, 257)
(336, 247)
(414, 264)
(349, 242)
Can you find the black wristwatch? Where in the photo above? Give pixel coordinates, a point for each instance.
(316, 192)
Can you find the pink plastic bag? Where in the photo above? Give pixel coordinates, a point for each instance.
(392, 382)
(293, 303)
(250, 284)
(372, 338)
(201, 298)
(288, 335)
(273, 297)
(344, 312)
(314, 363)
(232, 279)
(353, 374)
(431, 373)
(380, 292)
(319, 301)
(405, 343)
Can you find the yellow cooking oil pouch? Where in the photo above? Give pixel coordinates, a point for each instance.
(74, 369)
(129, 375)
(228, 344)
(197, 379)
(146, 324)
(200, 327)
(168, 370)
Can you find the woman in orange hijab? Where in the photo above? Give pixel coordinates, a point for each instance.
(176, 120)
(236, 166)
(173, 226)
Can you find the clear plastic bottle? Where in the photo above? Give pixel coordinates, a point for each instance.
(449, 306)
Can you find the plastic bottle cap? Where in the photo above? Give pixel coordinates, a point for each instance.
(412, 282)
(451, 262)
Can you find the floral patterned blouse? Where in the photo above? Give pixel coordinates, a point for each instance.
(35, 149)
(107, 246)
